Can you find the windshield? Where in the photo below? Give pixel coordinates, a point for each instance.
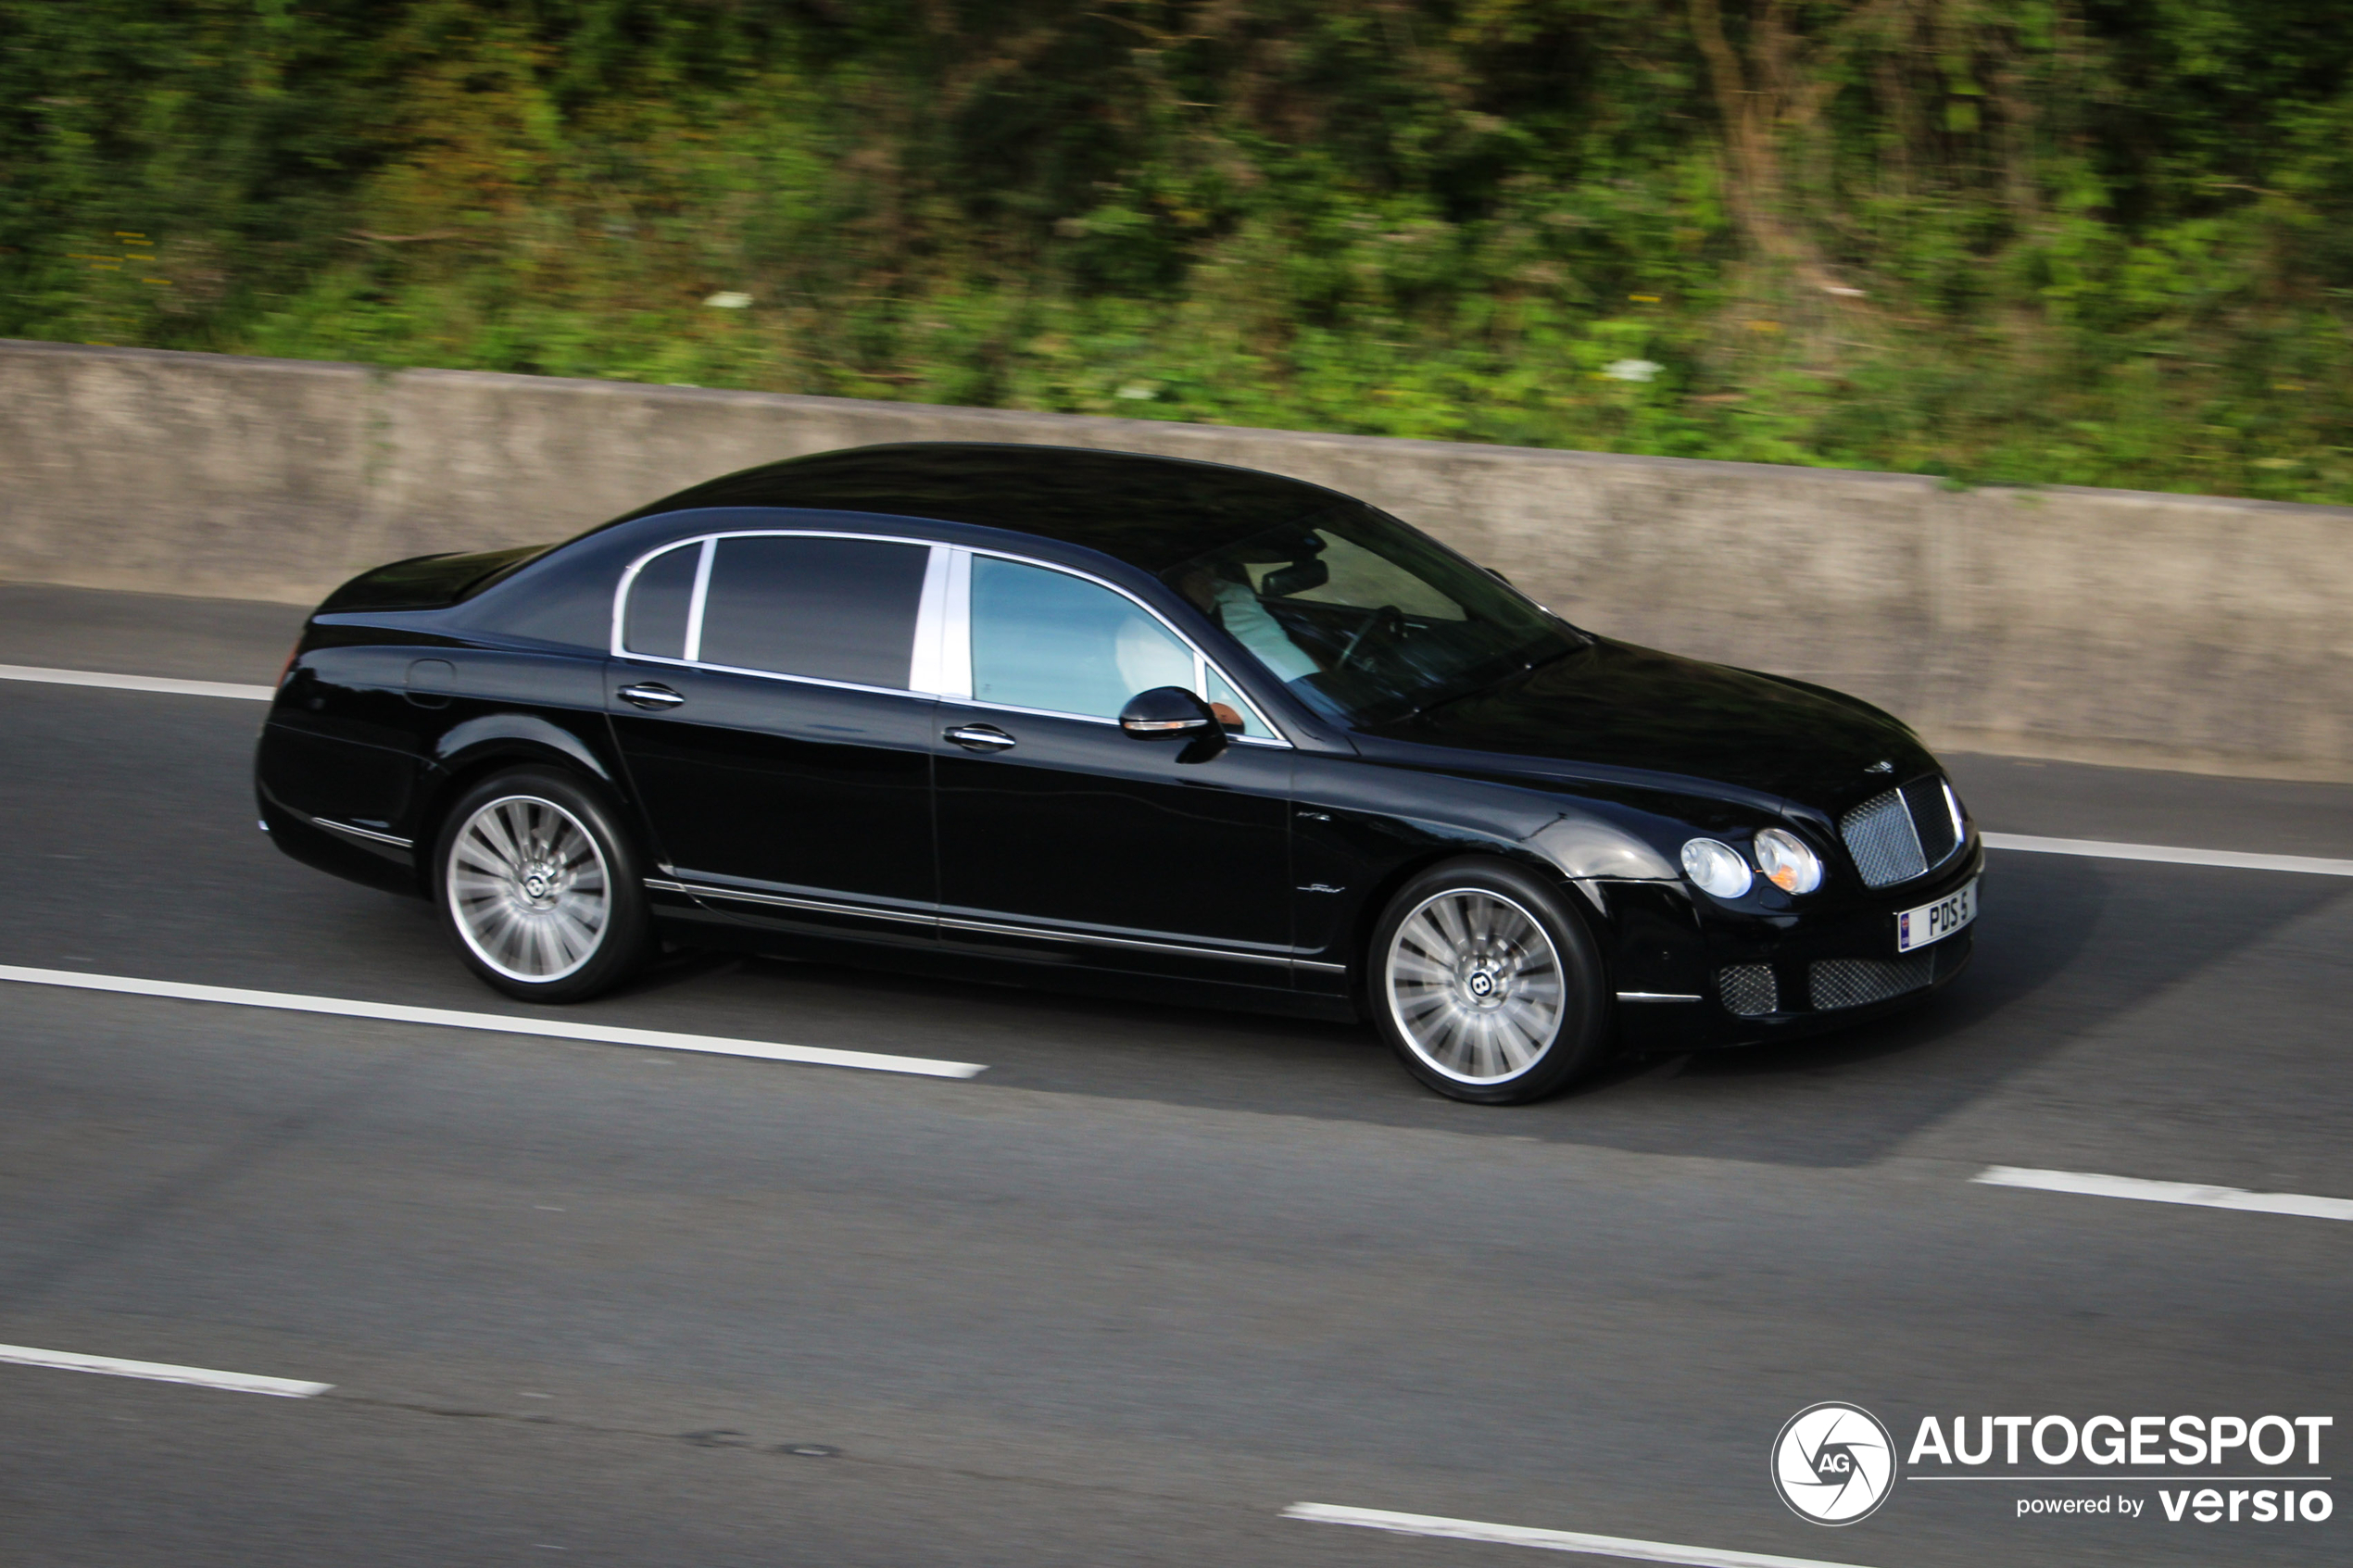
(1365, 620)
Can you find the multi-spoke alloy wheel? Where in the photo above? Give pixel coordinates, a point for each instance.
(533, 886)
(1477, 986)
(1486, 988)
(529, 888)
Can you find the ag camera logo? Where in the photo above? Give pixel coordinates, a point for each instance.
(1833, 1464)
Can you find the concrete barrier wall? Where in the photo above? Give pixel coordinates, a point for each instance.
(2099, 625)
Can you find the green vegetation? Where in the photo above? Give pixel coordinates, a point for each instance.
(2101, 242)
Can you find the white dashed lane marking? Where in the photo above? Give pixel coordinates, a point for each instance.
(2089, 1184)
(162, 1372)
(493, 1022)
(134, 683)
(1547, 1540)
(2234, 860)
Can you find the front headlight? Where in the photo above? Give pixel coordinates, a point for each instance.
(1715, 868)
(1787, 862)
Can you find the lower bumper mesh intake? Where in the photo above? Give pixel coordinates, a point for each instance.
(1748, 989)
(1852, 983)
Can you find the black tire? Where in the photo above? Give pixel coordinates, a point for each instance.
(1488, 987)
(581, 927)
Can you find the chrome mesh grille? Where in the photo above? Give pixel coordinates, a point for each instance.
(1932, 815)
(1832, 984)
(1748, 989)
(1879, 836)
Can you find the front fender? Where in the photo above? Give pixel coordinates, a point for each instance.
(1587, 848)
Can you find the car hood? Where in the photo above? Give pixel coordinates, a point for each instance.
(1614, 705)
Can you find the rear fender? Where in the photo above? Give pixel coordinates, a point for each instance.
(462, 747)
(467, 751)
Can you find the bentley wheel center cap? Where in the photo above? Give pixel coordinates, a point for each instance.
(1482, 984)
(536, 884)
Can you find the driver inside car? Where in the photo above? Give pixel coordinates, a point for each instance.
(1236, 607)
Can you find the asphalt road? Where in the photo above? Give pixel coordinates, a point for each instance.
(1151, 1277)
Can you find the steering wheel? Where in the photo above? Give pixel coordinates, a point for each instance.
(1388, 619)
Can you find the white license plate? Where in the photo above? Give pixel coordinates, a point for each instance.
(1934, 922)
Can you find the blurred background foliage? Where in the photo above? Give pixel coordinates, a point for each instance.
(2099, 242)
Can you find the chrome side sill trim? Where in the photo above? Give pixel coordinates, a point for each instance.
(1047, 934)
(1657, 997)
(371, 834)
(785, 901)
(1033, 933)
(1327, 968)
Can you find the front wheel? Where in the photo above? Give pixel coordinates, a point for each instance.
(539, 890)
(1485, 985)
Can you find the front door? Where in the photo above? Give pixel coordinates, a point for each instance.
(761, 705)
(1062, 836)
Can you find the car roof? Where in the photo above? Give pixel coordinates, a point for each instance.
(1151, 513)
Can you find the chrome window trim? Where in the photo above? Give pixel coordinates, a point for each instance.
(710, 543)
(939, 655)
(697, 601)
(925, 668)
(777, 675)
(1108, 724)
(956, 626)
(629, 581)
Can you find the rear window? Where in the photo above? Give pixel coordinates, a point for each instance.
(655, 622)
(836, 610)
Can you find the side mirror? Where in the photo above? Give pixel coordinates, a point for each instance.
(1173, 713)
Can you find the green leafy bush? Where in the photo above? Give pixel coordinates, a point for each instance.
(2049, 241)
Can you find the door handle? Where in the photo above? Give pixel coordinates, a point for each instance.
(649, 695)
(981, 737)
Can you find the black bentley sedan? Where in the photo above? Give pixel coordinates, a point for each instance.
(1122, 723)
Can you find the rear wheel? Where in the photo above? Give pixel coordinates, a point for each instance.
(539, 890)
(1488, 989)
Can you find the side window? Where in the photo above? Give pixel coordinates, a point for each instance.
(837, 610)
(1046, 639)
(1230, 708)
(655, 622)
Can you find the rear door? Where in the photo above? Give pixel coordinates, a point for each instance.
(762, 701)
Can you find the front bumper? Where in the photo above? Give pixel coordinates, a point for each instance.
(1780, 972)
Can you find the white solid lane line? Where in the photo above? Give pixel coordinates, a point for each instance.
(498, 1023)
(160, 1372)
(134, 683)
(2102, 849)
(2091, 1186)
(1548, 1540)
